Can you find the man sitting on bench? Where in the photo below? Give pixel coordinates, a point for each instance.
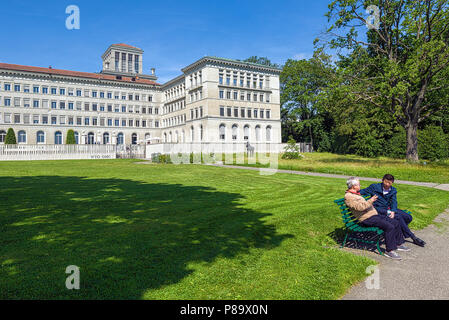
(364, 211)
(387, 204)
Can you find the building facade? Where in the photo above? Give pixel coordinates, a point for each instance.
(213, 100)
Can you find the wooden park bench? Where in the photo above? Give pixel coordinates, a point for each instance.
(354, 231)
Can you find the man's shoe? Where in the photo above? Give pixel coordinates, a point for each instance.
(393, 255)
(419, 242)
(403, 248)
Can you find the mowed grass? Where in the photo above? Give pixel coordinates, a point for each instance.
(437, 172)
(140, 231)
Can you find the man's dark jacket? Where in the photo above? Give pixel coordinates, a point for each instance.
(384, 202)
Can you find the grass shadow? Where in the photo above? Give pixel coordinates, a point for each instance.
(125, 236)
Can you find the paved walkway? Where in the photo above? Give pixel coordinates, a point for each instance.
(423, 273)
(328, 175)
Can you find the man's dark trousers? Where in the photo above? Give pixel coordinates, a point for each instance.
(391, 227)
(404, 220)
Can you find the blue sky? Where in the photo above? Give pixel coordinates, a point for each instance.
(173, 34)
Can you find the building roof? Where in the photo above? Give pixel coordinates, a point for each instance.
(125, 45)
(97, 76)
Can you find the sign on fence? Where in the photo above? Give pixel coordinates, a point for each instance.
(56, 152)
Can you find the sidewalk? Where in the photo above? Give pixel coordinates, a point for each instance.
(422, 274)
(328, 175)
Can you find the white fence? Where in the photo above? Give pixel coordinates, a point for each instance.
(218, 148)
(56, 152)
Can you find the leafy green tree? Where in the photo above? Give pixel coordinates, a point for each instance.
(302, 82)
(10, 137)
(400, 65)
(70, 137)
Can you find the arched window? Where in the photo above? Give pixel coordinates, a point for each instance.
(234, 131)
(106, 138)
(246, 132)
(192, 134)
(22, 136)
(134, 138)
(177, 136)
(165, 137)
(77, 137)
(2, 136)
(201, 132)
(58, 137)
(269, 133)
(222, 132)
(183, 136)
(147, 138)
(120, 139)
(90, 138)
(257, 133)
(40, 137)
(170, 139)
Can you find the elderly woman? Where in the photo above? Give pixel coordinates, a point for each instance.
(364, 211)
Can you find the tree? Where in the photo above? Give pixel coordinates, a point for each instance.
(262, 60)
(70, 137)
(10, 137)
(302, 82)
(399, 65)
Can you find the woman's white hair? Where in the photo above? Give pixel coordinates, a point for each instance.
(352, 181)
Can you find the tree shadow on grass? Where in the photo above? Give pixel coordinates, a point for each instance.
(125, 236)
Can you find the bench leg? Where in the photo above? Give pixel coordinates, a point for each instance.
(378, 247)
(344, 241)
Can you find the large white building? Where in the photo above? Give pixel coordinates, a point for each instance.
(213, 100)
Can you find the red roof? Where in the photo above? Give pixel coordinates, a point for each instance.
(98, 76)
(126, 45)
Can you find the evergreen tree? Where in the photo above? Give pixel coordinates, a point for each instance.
(10, 137)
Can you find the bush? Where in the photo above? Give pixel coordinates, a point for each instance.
(433, 144)
(70, 137)
(291, 151)
(10, 137)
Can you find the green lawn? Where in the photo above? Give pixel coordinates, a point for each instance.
(177, 232)
(437, 172)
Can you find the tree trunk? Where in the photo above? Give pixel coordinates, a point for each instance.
(412, 142)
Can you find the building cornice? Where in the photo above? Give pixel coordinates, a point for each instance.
(231, 63)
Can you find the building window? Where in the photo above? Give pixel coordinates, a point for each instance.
(22, 136)
(234, 132)
(120, 139)
(221, 94)
(246, 132)
(257, 133)
(90, 138)
(222, 112)
(2, 136)
(105, 138)
(268, 133)
(40, 137)
(77, 137)
(134, 138)
(222, 132)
